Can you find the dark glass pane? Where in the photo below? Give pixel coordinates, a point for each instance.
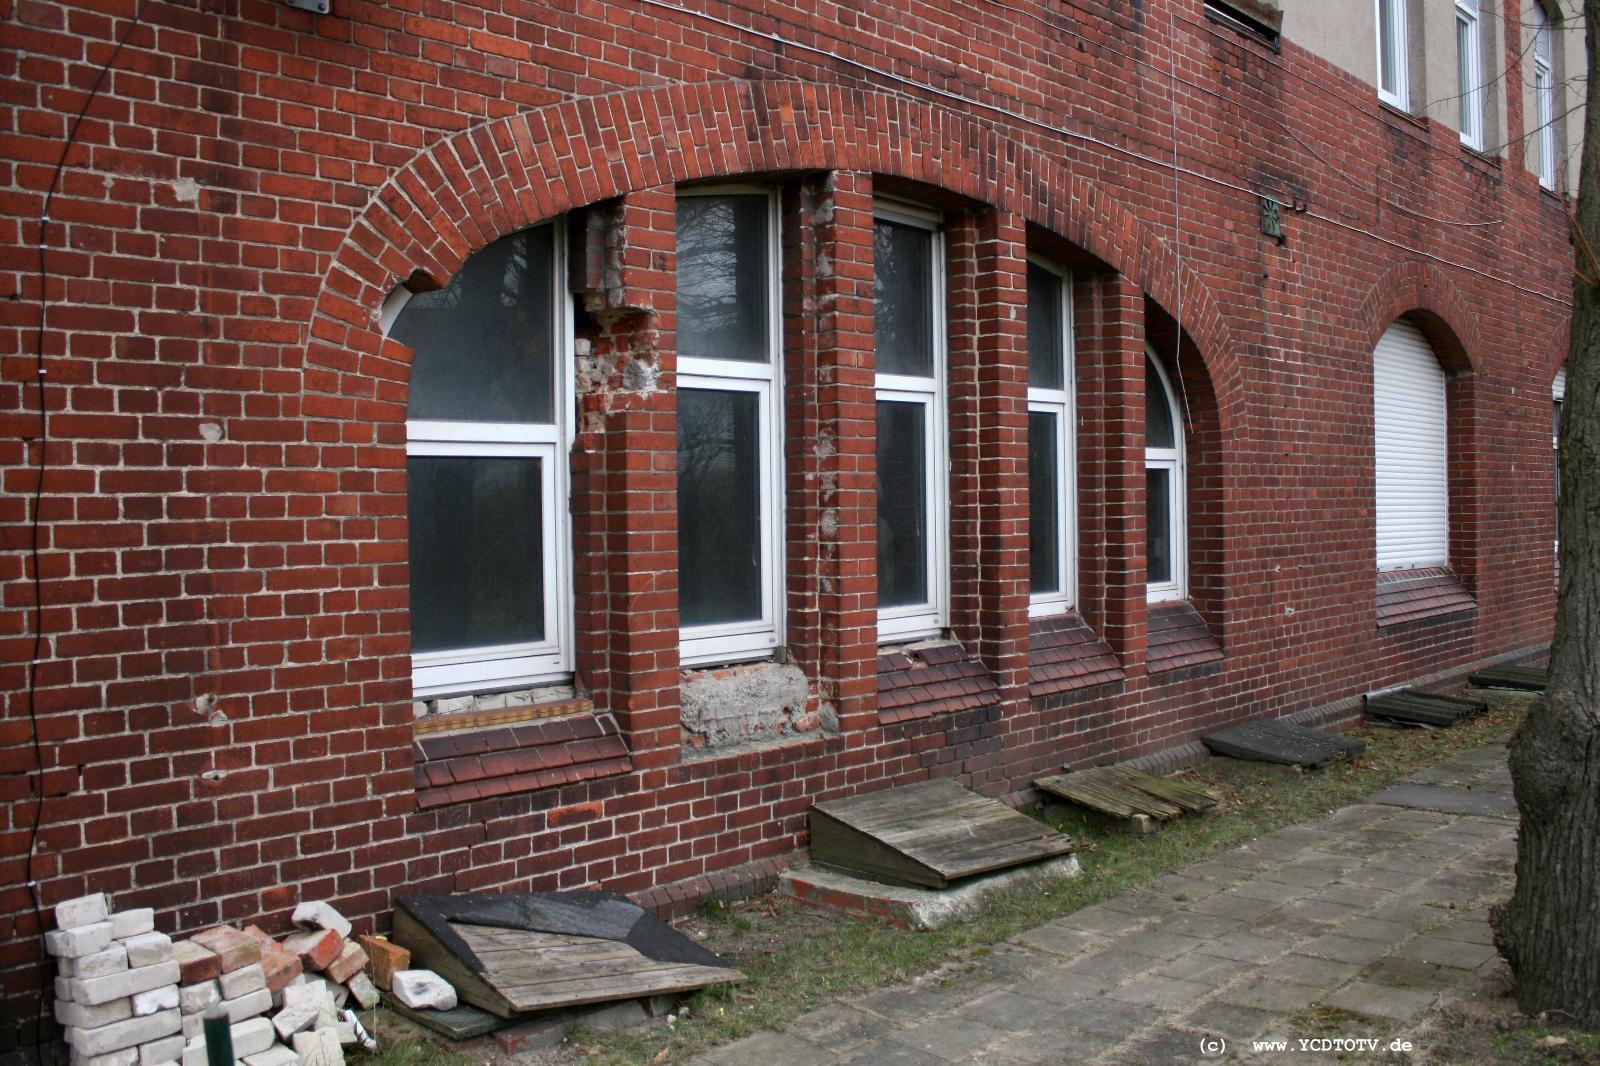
(722, 277)
(719, 507)
(1158, 525)
(485, 344)
(1044, 496)
(477, 551)
(1158, 432)
(902, 504)
(1045, 357)
(903, 271)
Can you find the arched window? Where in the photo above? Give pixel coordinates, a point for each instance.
(1052, 462)
(912, 473)
(1411, 464)
(486, 465)
(1165, 526)
(730, 480)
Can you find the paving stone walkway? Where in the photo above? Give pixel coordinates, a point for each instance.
(1378, 909)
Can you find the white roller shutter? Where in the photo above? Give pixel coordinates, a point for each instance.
(1413, 496)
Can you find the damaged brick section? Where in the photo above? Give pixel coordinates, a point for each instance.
(745, 706)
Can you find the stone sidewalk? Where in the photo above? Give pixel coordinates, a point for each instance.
(1378, 909)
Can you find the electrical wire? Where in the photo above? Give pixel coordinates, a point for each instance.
(39, 657)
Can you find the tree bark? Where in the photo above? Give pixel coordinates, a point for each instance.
(1550, 929)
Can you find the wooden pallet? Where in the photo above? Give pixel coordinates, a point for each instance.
(1522, 678)
(520, 952)
(1126, 794)
(1284, 743)
(1414, 707)
(929, 834)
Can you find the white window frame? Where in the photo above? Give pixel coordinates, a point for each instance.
(1399, 96)
(1061, 403)
(928, 619)
(725, 642)
(460, 671)
(1173, 460)
(1470, 68)
(1544, 95)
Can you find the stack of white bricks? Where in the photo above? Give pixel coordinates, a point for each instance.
(128, 996)
(117, 989)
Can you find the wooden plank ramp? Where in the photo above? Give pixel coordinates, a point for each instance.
(928, 834)
(1523, 678)
(1415, 707)
(549, 950)
(1283, 743)
(1127, 794)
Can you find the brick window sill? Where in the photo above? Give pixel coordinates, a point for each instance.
(1179, 639)
(1406, 596)
(922, 681)
(507, 760)
(1064, 654)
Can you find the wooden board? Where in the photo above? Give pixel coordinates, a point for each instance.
(1523, 678)
(512, 971)
(1284, 743)
(1414, 707)
(930, 834)
(1123, 792)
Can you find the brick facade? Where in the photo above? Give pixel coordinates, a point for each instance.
(224, 512)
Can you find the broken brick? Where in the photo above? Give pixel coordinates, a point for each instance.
(232, 947)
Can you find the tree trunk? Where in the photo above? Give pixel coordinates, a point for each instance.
(1550, 930)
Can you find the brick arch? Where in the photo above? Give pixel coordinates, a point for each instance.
(1421, 293)
(483, 183)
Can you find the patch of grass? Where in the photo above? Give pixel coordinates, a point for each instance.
(1322, 1021)
(796, 960)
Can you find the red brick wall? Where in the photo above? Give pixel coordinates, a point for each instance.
(224, 513)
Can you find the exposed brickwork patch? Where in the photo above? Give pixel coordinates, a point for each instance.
(457, 767)
(1412, 595)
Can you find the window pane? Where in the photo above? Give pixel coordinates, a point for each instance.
(1158, 525)
(719, 507)
(1045, 369)
(1388, 47)
(1044, 497)
(902, 504)
(1158, 429)
(485, 343)
(723, 284)
(477, 552)
(903, 269)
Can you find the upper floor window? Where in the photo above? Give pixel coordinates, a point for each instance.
(912, 482)
(1411, 464)
(1052, 484)
(1392, 57)
(1469, 71)
(1544, 97)
(1166, 551)
(730, 483)
(487, 472)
